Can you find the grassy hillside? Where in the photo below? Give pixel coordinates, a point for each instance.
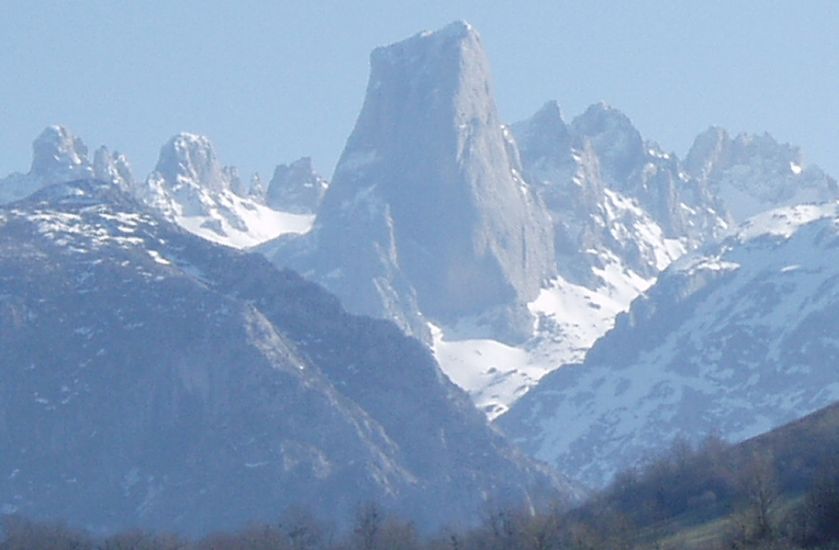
(782, 486)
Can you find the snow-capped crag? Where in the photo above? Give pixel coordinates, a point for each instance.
(754, 173)
(59, 156)
(182, 385)
(427, 217)
(191, 187)
(640, 170)
(296, 188)
(621, 210)
(736, 339)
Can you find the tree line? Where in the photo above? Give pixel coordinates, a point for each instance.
(715, 496)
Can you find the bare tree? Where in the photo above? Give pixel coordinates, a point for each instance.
(368, 524)
(758, 484)
(304, 531)
(23, 534)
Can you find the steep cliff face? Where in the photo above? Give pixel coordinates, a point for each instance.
(587, 175)
(429, 168)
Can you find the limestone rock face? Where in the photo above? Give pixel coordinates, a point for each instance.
(429, 169)
(753, 173)
(296, 187)
(113, 167)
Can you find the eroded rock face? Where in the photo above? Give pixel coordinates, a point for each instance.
(429, 160)
(57, 155)
(187, 172)
(753, 173)
(182, 385)
(296, 187)
(585, 175)
(113, 167)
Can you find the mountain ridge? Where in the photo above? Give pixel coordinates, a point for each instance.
(733, 338)
(165, 377)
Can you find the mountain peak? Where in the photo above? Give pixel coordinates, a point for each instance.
(430, 183)
(707, 150)
(434, 58)
(544, 136)
(57, 157)
(112, 167)
(296, 187)
(746, 145)
(550, 111)
(614, 138)
(191, 157)
(752, 173)
(455, 29)
(600, 117)
(57, 151)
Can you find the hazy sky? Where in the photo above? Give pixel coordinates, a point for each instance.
(271, 81)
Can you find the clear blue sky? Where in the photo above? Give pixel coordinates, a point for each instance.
(274, 80)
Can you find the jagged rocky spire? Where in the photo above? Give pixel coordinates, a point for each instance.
(59, 156)
(296, 187)
(191, 158)
(112, 167)
(752, 173)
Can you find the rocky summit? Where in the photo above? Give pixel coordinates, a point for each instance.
(427, 216)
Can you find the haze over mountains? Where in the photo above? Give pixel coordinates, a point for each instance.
(507, 251)
(182, 385)
(189, 185)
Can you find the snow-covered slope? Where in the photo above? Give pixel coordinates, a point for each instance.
(737, 338)
(570, 318)
(164, 377)
(190, 187)
(611, 240)
(622, 210)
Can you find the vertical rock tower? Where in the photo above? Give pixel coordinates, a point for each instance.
(428, 197)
